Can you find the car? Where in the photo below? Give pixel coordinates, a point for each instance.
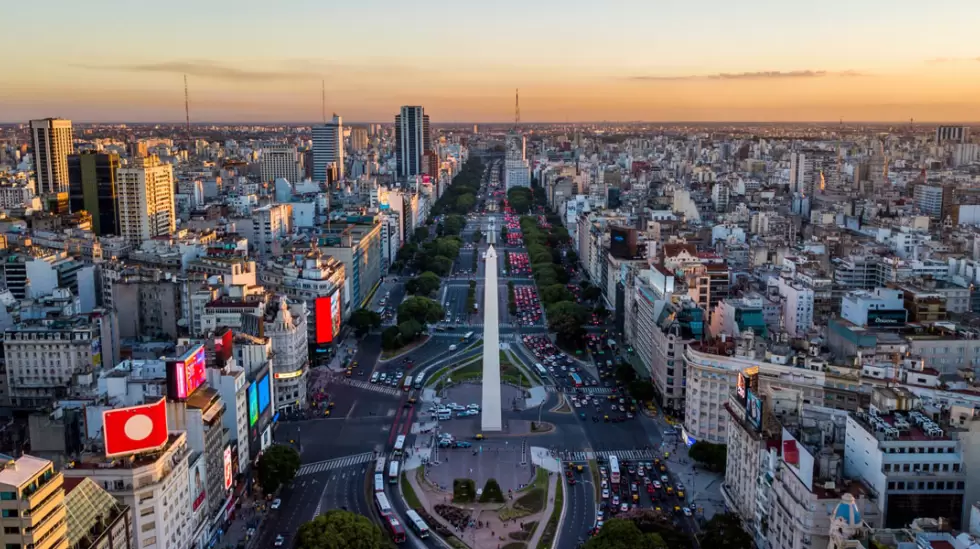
(679, 485)
(657, 485)
(624, 507)
(664, 479)
(687, 511)
(280, 540)
(276, 503)
(615, 500)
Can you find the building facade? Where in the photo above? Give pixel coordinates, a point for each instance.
(52, 140)
(412, 139)
(92, 187)
(146, 200)
(328, 149)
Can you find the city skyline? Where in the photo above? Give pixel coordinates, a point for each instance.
(249, 62)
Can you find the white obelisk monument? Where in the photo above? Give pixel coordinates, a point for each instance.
(491, 347)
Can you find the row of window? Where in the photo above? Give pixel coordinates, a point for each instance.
(926, 485)
(921, 467)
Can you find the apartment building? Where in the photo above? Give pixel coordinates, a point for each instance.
(32, 504)
(145, 200)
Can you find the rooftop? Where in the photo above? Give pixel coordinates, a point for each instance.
(17, 472)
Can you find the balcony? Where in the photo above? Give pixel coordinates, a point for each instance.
(45, 487)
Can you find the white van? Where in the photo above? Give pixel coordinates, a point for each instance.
(444, 415)
(374, 377)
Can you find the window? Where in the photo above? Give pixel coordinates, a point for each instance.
(11, 530)
(7, 496)
(9, 513)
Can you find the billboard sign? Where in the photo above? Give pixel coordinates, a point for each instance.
(186, 373)
(741, 388)
(335, 313)
(321, 315)
(198, 485)
(135, 429)
(265, 395)
(887, 317)
(753, 409)
(229, 472)
(799, 460)
(253, 404)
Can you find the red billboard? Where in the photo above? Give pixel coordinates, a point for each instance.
(229, 473)
(321, 315)
(186, 373)
(135, 429)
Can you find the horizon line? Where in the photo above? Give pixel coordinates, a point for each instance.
(509, 123)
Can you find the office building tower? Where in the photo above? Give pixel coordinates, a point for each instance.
(359, 138)
(328, 149)
(412, 139)
(33, 504)
(952, 134)
(281, 161)
(145, 191)
(52, 139)
(92, 187)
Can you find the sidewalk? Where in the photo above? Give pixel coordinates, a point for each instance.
(553, 480)
(248, 515)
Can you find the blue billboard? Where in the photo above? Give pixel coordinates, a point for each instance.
(264, 395)
(253, 405)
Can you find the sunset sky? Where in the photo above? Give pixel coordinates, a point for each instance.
(657, 60)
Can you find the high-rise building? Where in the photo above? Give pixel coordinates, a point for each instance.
(328, 148)
(33, 504)
(145, 199)
(953, 134)
(92, 187)
(412, 139)
(52, 139)
(281, 161)
(359, 138)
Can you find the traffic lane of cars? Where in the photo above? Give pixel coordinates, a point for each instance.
(647, 484)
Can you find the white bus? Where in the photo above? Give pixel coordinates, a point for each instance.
(379, 467)
(417, 524)
(379, 482)
(399, 445)
(393, 473)
(418, 381)
(408, 383)
(614, 470)
(383, 506)
(467, 336)
(540, 368)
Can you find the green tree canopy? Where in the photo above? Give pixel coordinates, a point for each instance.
(641, 390)
(492, 492)
(424, 284)
(712, 456)
(364, 320)
(591, 293)
(409, 330)
(724, 531)
(623, 534)
(566, 319)
(440, 265)
(420, 309)
(555, 293)
(453, 224)
(277, 466)
(420, 234)
(338, 529)
(391, 338)
(465, 203)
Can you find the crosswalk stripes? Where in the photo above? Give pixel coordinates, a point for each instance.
(383, 389)
(336, 463)
(632, 455)
(583, 390)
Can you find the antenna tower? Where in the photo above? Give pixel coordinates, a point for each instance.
(323, 100)
(517, 107)
(187, 108)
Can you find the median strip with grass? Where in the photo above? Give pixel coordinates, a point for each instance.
(552, 527)
(409, 492)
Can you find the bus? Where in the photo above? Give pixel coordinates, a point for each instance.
(379, 467)
(384, 506)
(576, 380)
(393, 473)
(379, 483)
(399, 445)
(394, 527)
(467, 336)
(408, 383)
(614, 470)
(416, 523)
(541, 370)
(418, 381)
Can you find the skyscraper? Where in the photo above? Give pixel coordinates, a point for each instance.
(92, 187)
(328, 148)
(280, 161)
(52, 140)
(412, 139)
(145, 199)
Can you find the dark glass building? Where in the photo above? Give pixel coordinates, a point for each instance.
(92, 187)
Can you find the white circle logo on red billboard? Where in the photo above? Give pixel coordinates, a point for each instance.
(138, 427)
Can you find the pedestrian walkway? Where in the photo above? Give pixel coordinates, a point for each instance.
(383, 389)
(634, 455)
(583, 390)
(336, 463)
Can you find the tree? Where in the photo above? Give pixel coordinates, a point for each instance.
(625, 373)
(566, 319)
(338, 529)
(652, 522)
(277, 466)
(571, 256)
(453, 224)
(465, 203)
(421, 309)
(712, 456)
(623, 534)
(391, 338)
(409, 330)
(439, 265)
(641, 390)
(724, 531)
(555, 293)
(424, 284)
(364, 320)
(492, 492)
(591, 293)
(420, 234)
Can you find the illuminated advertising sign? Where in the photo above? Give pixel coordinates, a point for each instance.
(289, 375)
(887, 317)
(229, 473)
(253, 404)
(264, 394)
(186, 373)
(198, 486)
(135, 429)
(740, 388)
(321, 316)
(753, 409)
(335, 313)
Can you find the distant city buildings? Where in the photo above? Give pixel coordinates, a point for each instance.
(52, 142)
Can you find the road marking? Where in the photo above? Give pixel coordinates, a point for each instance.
(383, 389)
(336, 463)
(646, 455)
(584, 390)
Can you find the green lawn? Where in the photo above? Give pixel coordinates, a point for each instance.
(549, 530)
(410, 497)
